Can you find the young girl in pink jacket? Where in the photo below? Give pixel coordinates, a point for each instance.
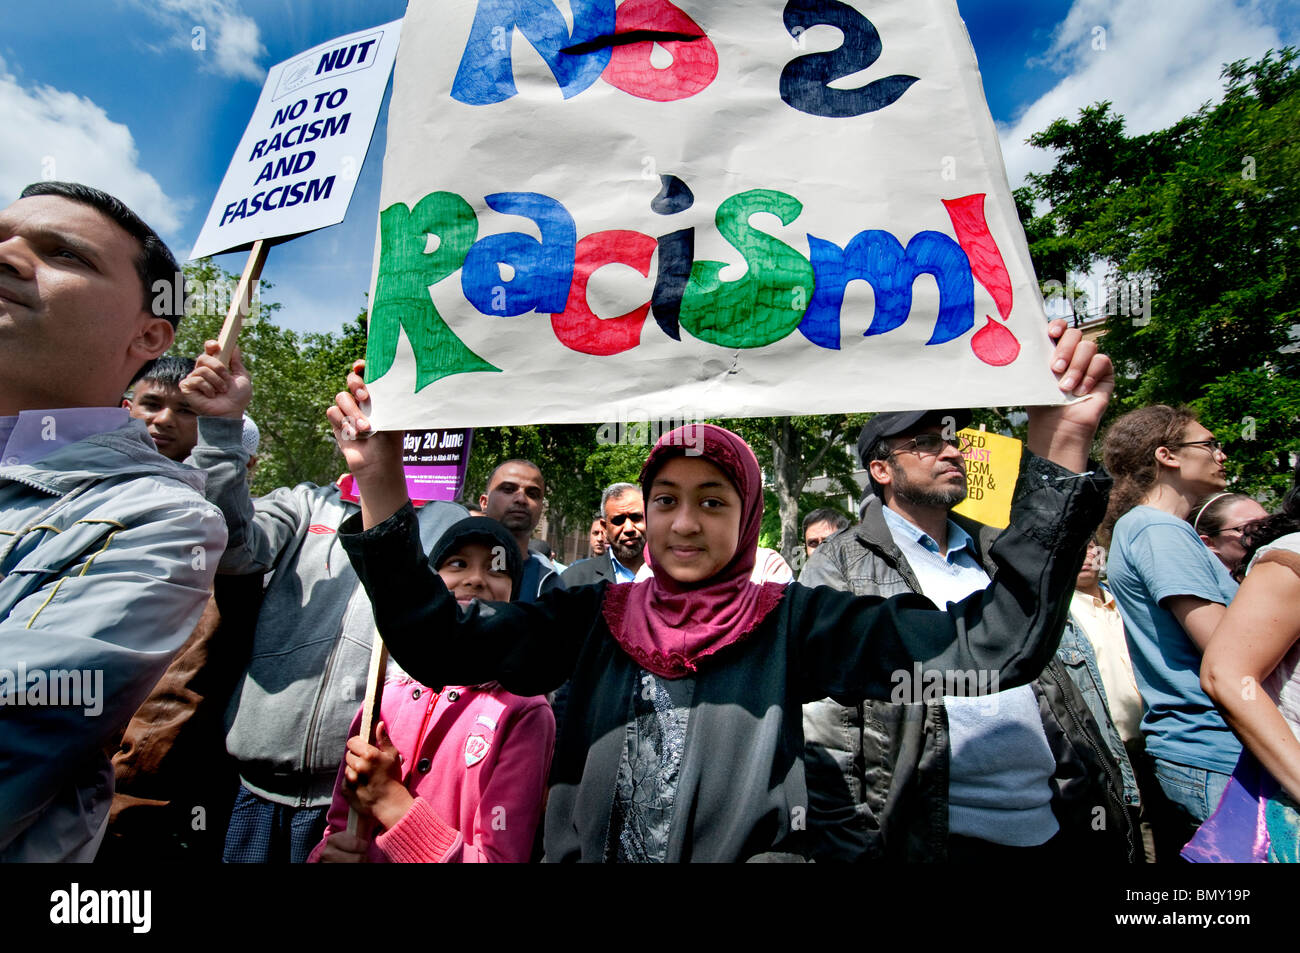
(458, 774)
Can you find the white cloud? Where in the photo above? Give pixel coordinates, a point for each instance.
(1161, 60)
(60, 135)
(232, 40)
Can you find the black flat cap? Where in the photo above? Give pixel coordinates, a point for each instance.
(889, 425)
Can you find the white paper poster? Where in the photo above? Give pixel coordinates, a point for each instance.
(299, 159)
(595, 211)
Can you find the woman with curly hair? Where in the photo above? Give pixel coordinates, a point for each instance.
(1172, 593)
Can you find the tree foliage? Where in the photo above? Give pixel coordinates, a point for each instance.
(791, 451)
(1207, 210)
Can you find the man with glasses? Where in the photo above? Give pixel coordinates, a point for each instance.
(819, 526)
(624, 525)
(929, 776)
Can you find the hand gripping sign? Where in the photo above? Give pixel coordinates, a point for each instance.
(720, 208)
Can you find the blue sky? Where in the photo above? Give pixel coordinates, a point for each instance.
(112, 93)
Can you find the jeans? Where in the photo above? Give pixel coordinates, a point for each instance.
(1196, 790)
(1190, 796)
(262, 832)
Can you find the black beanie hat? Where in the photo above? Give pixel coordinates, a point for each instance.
(481, 529)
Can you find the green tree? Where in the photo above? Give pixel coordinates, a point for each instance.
(1207, 211)
(791, 451)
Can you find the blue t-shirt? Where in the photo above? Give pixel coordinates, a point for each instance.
(1153, 556)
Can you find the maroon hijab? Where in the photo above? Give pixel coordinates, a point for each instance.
(670, 626)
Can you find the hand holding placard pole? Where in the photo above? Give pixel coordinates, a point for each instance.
(369, 708)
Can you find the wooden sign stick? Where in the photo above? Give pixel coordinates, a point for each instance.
(370, 708)
(242, 303)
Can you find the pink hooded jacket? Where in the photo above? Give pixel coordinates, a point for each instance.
(476, 759)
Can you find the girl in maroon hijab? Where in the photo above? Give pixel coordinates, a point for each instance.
(683, 739)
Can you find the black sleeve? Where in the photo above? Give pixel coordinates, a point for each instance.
(865, 647)
(530, 649)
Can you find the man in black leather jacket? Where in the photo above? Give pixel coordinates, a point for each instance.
(879, 773)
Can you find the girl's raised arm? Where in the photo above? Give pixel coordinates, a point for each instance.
(530, 649)
(374, 458)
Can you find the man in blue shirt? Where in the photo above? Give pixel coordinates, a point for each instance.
(107, 549)
(1172, 592)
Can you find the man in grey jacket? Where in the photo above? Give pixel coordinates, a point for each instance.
(107, 548)
(928, 776)
(287, 724)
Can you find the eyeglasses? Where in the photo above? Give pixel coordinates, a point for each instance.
(932, 443)
(621, 518)
(1239, 529)
(1211, 445)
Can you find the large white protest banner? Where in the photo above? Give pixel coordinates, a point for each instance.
(595, 211)
(299, 159)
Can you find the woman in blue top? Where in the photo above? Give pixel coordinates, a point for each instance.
(1172, 592)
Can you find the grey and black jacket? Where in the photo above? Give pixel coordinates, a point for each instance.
(878, 772)
(588, 572)
(288, 719)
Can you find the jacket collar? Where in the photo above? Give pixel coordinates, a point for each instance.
(125, 452)
(873, 532)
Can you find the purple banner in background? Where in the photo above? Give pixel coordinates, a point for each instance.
(435, 462)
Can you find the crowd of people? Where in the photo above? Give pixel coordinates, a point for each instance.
(183, 665)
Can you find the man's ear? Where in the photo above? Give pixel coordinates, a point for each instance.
(879, 470)
(482, 502)
(126, 403)
(153, 337)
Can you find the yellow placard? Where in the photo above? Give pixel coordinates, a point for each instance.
(992, 464)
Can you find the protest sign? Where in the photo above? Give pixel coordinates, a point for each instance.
(648, 209)
(992, 465)
(298, 162)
